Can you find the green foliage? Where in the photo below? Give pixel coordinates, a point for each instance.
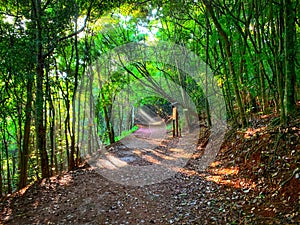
(127, 133)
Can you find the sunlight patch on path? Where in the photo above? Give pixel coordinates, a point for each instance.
(162, 163)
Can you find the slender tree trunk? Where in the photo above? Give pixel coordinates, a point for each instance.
(5, 145)
(39, 102)
(230, 63)
(91, 116)
(229, 95)
(72, 133)
(60, 127)
(14, 162)
(184, 98)
(258, 51)
(67, 138)
(206, 71)
(79, 111)
(24, 153)
(290, 56)
(52, 119)
(279, 69)
(109, 126)
(120, 106)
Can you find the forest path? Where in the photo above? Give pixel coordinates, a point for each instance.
(147, 156)
(85, 196)
(220, 195)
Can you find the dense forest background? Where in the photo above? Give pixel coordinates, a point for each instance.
(251, 47)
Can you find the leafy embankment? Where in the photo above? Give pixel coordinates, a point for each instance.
(254, 180)
(268, 155)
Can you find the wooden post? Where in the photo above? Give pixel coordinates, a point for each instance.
(175, 122)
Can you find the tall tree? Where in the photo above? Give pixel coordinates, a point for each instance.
(290, 55)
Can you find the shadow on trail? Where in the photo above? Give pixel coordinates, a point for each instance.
(145, 157)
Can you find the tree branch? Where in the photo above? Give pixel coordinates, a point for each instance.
(72, 34)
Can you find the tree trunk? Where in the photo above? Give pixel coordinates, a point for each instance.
(279, 69)
(39, 102)
(109, 126)
(72, 134)
(230, 63)
(5, 145)
(52, 118)
(207, 107)
(290, 56)
(60, 128)
(24, 153)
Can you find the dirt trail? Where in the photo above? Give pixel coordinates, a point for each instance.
(145, 157)
(221, 195)
(85, 197)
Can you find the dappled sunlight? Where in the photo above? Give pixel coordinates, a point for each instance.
(197, 154)
(172, 154)
(240, 183)
(150, 142)
(215, 164)
(111, 163)
(145, 155)
(225, 171)
(65, 180)
(8, 212)
(116, 161)
(187, 172)
(176, 150)
(155, 156)
(153, 142)
(151, 159)
(253, 132)
(180, 153)
(137, 152)
(220, 176)
(23, 190)
(228, 176)
(102, 163)
(266, 116)
(36, 204)
(161, 155)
